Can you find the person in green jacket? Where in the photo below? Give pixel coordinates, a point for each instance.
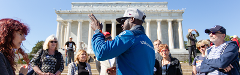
(191, 44)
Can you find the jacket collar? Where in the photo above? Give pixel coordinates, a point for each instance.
(138, 27)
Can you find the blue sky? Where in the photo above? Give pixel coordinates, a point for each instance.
(40, 15)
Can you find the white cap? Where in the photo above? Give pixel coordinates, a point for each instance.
(132, 12)
(235, 36)
(70, 37)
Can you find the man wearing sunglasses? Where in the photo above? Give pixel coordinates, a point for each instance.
(132, 48)
(221, 55)
(191, 43)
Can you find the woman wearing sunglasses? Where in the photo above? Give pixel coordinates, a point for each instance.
(168, 65)
(48, 61)
(202, 45)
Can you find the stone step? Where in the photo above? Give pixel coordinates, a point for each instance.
(66, 74)
(93, 71)
(187, 73)
(186, 69)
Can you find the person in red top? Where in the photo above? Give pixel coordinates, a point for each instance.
(235, 38)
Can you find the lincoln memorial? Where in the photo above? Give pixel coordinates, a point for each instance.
(160, 23)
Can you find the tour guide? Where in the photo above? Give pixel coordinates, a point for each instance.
(132, 48)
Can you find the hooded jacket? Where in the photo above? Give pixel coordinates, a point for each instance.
(228, 56)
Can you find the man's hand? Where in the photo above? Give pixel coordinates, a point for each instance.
(239, 50)
(190, 30)
(95, 24)
(23, 70)
(111, 71)
(195, 30)
(227, 69)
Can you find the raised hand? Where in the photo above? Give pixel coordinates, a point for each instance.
(95, 24)
(190, 30)
(195, 30)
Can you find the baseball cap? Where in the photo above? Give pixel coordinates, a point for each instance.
(235, 36)
(70, 37)
(132, 12)
(106, 33)
(215, 29)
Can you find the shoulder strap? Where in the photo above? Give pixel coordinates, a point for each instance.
(43, 54)
(58, 57)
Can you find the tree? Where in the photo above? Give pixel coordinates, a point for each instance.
(185, 44)
(227, 38)
(38, 46)
(35, 49)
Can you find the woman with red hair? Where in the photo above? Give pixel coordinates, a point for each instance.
(168, 65)
(12, 33)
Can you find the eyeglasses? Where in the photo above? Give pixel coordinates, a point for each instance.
(213, 33)
(201, 46)
(163, 50)
(53, 41)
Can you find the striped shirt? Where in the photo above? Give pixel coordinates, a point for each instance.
(215, 54)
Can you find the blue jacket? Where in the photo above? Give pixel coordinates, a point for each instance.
(132, 48)
(229, 56)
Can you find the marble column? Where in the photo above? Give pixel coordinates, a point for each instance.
(61, 42)
(68, 29)
(113, 32)
(170, 34)
(58, 32)
(89, 48)
(65, 34)
(148, 31)
(159, 33)
(79, 35)
(180, 33)
(104, 26)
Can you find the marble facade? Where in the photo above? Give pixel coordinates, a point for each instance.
(160, 22)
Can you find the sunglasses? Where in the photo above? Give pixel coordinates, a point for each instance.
(53, 41)
(213, 33)
(201, 46)
(124, 19)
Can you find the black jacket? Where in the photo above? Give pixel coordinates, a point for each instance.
(174, 68)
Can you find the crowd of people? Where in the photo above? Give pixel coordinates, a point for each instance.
(130, 53)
